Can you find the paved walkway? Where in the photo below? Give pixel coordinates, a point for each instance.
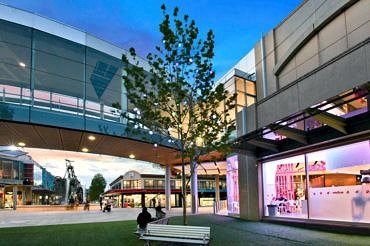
(13, 218)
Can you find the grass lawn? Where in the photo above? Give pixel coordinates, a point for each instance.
(102, 234)
(224, 231)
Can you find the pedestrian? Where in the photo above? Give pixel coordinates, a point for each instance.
(153, 202)
(159, 213)
(142, 220)
(101, 202)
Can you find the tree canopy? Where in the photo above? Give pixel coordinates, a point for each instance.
(177, 97)
(97, 186)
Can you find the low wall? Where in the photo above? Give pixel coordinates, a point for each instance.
(44, 208)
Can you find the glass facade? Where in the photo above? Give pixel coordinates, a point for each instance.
(338, 178)
(51, 73)
(10, 169)
(232, 185)
(133, 190)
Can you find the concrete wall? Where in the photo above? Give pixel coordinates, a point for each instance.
(248, 188)
(320, 50)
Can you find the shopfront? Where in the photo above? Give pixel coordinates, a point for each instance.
(331, 184)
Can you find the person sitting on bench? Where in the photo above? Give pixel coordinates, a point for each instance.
(143, 219)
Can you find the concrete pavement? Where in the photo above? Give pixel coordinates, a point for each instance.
(14, 218)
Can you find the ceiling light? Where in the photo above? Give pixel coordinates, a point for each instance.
(85, 150)
(22, 64)
(91, 138)
(21, 144)
(132, 156)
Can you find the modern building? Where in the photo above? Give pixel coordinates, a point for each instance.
(22, 180)
(303, 146)
(134, 189)
(16, 178)
(62, 89)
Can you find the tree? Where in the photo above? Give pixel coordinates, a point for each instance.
(97, 186)
(178, 97)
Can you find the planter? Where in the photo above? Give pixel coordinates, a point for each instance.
(272, 209)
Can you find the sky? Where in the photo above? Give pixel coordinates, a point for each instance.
(237, 25)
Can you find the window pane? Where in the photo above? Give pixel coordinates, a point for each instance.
(15, 34)
(240, 99)
(251, 88)
(103, 77)
(58, 65)
(7, 169)
(339, 178)
(284, 187)
(14, 75)
(59, 46)
(250, 100)
(15, 54)
(240, 84)
(53, 83)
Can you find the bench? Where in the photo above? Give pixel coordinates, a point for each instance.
(163, 221)
(177, 233)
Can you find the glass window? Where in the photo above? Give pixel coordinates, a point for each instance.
(284, 187)
(53, 83)
(58, 46)
(16, 170)
(7, 169)
(240, 84)
(15, 34)
(340, 178)
(251, 88)
(240, 99)
(232, 178)
(15, 54)
(250, 100)
(103, 77)
(58, 65)
(14, 75)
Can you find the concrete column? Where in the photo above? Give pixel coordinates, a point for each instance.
(264, 70)
(250, 200)
(194, 188)
(15, 192)
(142, 200)
(217, 191)
(167, 188)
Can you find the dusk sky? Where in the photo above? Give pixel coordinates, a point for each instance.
(238, 25)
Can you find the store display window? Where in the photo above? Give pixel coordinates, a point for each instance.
(284, 186)
(342, 183)
(232, 185)
(338, 181)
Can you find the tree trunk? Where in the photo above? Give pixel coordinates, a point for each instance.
(183, 178)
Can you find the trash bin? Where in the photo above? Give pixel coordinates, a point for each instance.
(272, 209)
